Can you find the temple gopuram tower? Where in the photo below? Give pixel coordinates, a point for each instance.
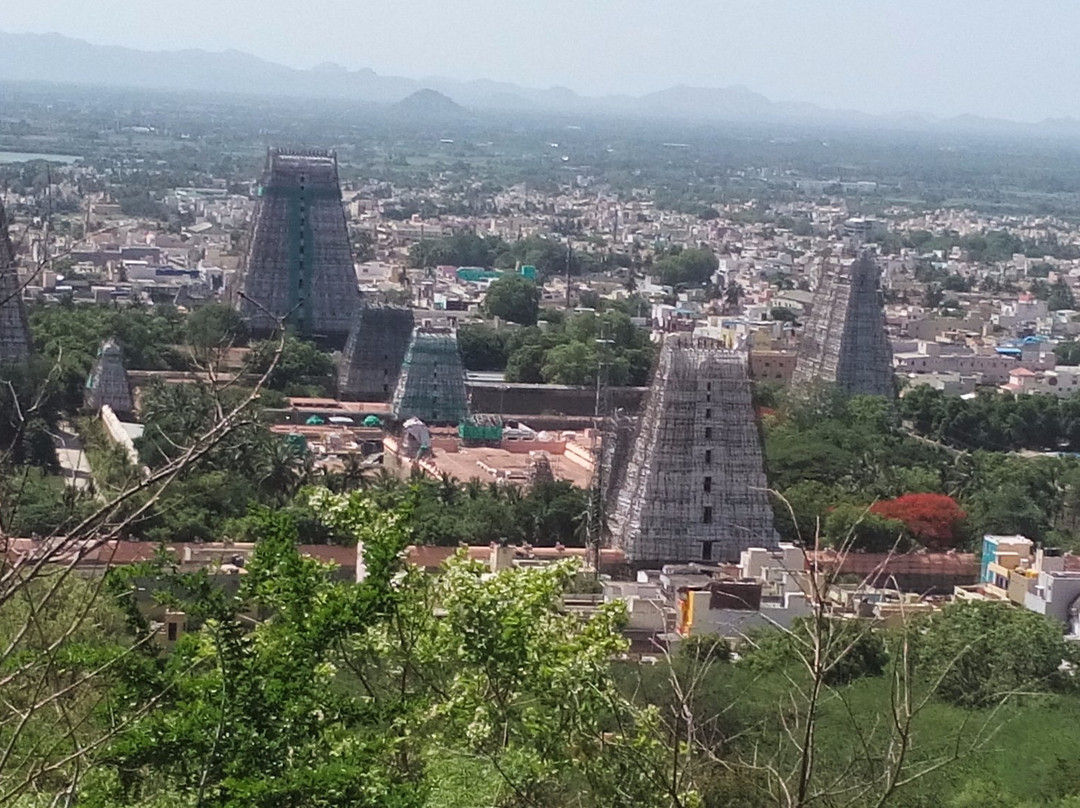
(299, 263)
(108, 382)
(431, 386)
(694, 485)
(15, 344)
(374, 353)
(844, 342)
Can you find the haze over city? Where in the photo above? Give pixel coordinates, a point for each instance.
(989, 58)
(589, 404)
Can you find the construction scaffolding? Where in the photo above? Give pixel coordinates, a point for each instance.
(14, 327)
(299, 263)
(481, 430)
(374, 353)
(844, 342)
(694, 486)
(431, 386)
(108, 382)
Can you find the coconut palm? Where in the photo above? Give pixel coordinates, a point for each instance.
(448, 489)
(279, 467)
(474, 489)
(359, 471)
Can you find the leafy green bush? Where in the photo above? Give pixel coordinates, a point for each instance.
(978, 653)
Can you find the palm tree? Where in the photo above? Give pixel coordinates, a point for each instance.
(334, 480)
(541, 513)
(309, 473)
(960, 476)
(448, 489)
(385, 481)
(358, 470)
(278, 467)
(474, 489)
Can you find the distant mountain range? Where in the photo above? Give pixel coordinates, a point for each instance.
(428, 105)
(59, 59)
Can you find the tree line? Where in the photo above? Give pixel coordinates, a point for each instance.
(569, 349)
(548, 254)
(866, 468)
(995, 421)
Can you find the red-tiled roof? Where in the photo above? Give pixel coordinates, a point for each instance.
(330, 554)
(85, 553)
(431, 557)
(119, 553)
(944, 564)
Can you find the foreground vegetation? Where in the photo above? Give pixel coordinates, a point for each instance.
(300, 687)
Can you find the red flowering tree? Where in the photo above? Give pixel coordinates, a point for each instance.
(933, 520)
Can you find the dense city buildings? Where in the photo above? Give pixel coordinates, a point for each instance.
(949, 300)
(589, 413)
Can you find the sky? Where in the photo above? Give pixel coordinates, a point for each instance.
(1016, 60)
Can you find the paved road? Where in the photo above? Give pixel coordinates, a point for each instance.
(69, 451)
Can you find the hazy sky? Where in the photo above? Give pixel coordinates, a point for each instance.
(1017, 59)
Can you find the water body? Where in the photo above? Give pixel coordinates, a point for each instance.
(26, 157)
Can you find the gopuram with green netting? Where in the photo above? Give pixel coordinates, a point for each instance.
(431, 385)
(298, 268)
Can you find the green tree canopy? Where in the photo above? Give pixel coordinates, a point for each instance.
(482, 347)
(691, 267)
(1060, 296)
(306, 689)
(857, 528)
(1067, 353)
(983, 652)
(461, 250)
(303, 369)
(513, 297)
(214, 328)
(568, 352)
